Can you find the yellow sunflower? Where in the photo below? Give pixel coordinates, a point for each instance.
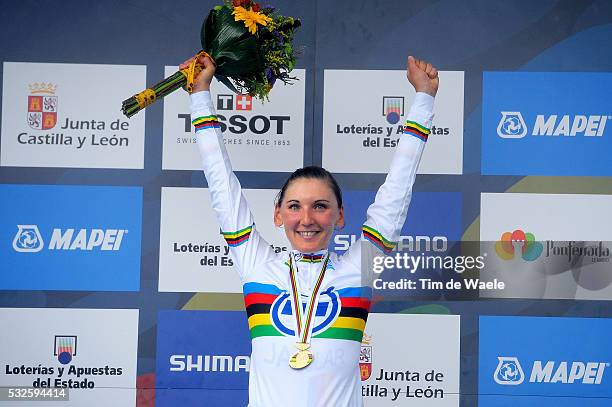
(251, 18)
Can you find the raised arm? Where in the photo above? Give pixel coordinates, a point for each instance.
(386, 216)
(235, 218)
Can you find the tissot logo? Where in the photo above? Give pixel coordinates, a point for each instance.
(242, 102)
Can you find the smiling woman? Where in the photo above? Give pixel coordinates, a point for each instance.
(307, 309)
(309, 206)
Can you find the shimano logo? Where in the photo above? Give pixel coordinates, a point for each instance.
(512, 125)
(208, 363)
(29, 239)
(510, 372)
(411, 243)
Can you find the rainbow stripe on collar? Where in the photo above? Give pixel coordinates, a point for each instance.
(416, 130)
(206, 122)
(311, 258)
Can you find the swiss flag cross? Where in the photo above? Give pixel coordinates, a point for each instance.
(244, 102)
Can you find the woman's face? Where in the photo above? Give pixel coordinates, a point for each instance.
(309, 213)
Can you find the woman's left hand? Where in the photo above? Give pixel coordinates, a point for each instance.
(423, 76)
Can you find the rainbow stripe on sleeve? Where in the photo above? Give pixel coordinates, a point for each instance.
(377, 239)
(206, 122)
(235, 239)
(416, 130)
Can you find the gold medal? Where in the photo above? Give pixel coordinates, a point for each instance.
(303, 357)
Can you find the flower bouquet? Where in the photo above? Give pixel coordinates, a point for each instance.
(250, 45)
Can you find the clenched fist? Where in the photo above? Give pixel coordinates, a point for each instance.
(423, 76)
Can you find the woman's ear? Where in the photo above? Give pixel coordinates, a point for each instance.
(340, 221)
(278, 222)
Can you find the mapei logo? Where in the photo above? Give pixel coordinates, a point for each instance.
(393, 108)
(42, 106)
(365, 357)
(512, 125)
(509, 372)
(29, 240)
(226, 102)
(326, 313)
(65, 348)
(518, 241)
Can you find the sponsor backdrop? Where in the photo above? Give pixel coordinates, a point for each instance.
(260, 136)
(59, 237)
(555, 122)
(65, 348)
(111, 258)
(193, 256)
(426, 370)
(366, 121)
(46, 124)
(561, 362)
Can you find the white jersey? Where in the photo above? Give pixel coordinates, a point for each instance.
(333, 378)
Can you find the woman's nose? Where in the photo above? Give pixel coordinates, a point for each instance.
(306, 217)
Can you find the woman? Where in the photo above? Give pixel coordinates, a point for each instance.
(307, 309)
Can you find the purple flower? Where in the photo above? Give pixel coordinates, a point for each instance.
(270, 76)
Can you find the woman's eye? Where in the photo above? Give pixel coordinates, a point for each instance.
(294, 207)
(320, 206)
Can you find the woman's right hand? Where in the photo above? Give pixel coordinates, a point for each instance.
(202, 81)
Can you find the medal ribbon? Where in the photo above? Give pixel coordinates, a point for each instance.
(303, 331)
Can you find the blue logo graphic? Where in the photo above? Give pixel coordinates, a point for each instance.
(28, 239)
(509, 371)
(202, 355)
(546, 123)
(326, 313)
(512, 125)
(546, 361)
(70, 238)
